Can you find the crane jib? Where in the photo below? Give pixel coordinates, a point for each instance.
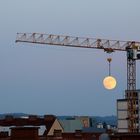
(81, 42)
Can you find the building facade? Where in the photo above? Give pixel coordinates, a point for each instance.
(128, 112)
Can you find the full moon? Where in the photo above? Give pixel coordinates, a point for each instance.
(109, 82)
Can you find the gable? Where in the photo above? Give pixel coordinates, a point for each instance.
(56, 126)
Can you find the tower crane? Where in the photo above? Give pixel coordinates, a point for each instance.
(132, 49)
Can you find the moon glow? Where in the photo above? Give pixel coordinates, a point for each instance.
(109, 82)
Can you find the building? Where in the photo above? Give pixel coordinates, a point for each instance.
(94, 130)
(77, 135)
(128, 112)
(122, 115)
(48, 124)
(55, 126)
(24, 133)
(27, 128)
(125, 136)
(85, 120)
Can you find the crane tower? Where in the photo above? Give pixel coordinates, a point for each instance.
(131, 48)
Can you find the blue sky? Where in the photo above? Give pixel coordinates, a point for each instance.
(43, 79)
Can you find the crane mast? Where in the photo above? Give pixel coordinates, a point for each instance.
(109, 46)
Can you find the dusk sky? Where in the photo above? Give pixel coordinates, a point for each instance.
(42, 79)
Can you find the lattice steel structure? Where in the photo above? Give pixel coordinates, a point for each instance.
(108, 46)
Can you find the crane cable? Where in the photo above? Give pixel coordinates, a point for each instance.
(109, 61)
